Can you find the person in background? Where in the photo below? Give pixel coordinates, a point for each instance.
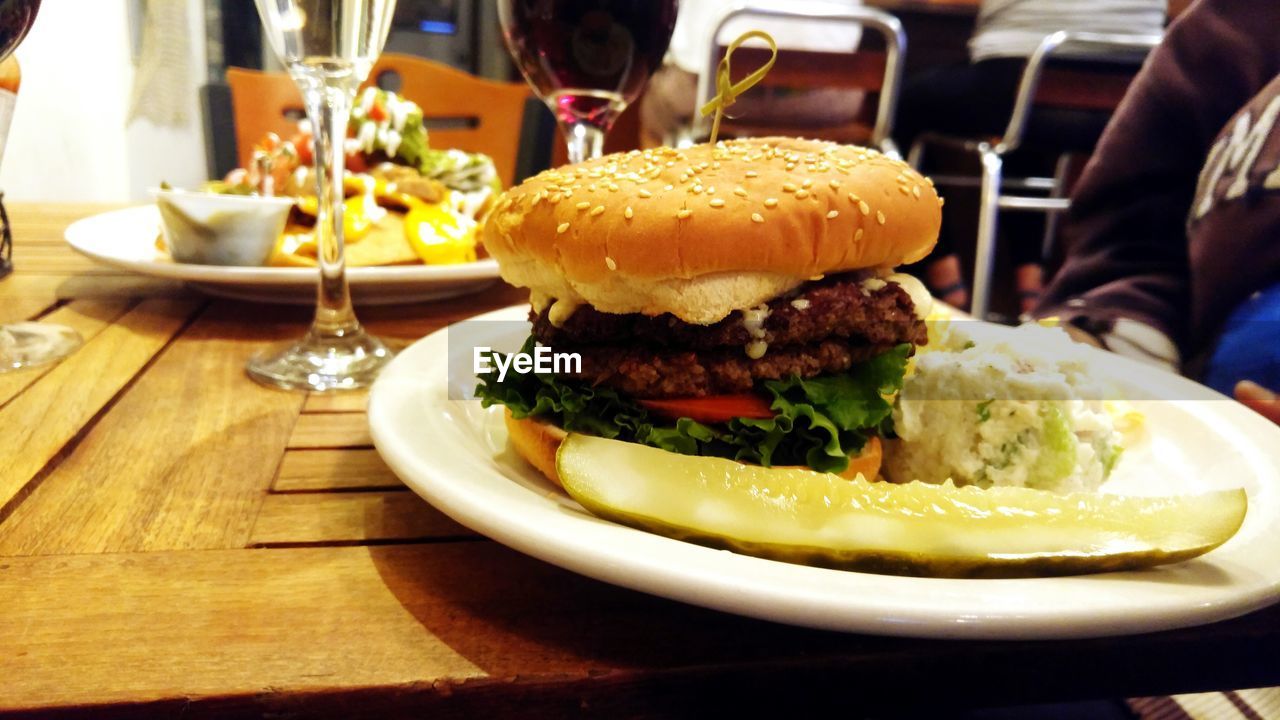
(667, 108)
(1173, 237)
(976, 100)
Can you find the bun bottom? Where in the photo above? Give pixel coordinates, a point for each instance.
(538, 441)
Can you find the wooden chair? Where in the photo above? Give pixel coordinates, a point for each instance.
(460, 110)
(262, 102)
(876, 71)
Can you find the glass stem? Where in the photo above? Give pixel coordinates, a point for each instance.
(586, 141)
(329, 107)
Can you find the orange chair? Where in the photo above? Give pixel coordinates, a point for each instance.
(262, 102)
(461, 111)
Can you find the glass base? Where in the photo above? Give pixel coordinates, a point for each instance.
(30, 344)
(318, 364)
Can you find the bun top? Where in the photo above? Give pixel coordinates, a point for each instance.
(703, 231)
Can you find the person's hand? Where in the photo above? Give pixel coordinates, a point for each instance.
(1259, 399)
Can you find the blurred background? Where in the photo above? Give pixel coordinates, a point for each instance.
(114, 91)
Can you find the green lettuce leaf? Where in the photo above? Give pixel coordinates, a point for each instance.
(819, 422)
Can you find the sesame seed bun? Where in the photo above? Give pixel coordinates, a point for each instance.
(707, 230)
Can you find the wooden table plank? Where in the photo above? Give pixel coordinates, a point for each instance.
(58, 286)
(354, 401)
(180, 461)
(292, 519)
(331, 430)
(185, 624)
(46, 416)
(320, 470)
(475, 626)
(23, 309)
(87, 317)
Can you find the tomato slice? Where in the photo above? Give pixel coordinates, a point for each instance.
(376, 113)
(713, 408)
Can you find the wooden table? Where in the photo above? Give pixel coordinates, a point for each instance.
(175, 538)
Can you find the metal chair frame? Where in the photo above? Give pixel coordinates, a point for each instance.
(895, 41)
(991, 153)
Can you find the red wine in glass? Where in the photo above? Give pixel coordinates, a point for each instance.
(587, 59)
(16, 18)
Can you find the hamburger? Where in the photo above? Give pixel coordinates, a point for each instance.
(735, 300)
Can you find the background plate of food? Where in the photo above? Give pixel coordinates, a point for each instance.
(410, 218)
(127, 239)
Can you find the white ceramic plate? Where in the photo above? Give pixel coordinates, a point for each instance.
(454, 454)
(126, 239)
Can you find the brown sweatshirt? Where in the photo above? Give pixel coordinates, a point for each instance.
(1176, 219)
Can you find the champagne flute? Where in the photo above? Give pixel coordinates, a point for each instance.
(329, 47)
(587, 59)
(24, 344)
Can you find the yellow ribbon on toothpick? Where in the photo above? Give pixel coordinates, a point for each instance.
(728, 91)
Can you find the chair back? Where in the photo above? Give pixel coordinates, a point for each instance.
(877, 71)
(262, 102)
(1074, 89)
(460, 110)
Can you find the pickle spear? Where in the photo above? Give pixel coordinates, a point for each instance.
(813, 518)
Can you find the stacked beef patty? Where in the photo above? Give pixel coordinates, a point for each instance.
(822, 327)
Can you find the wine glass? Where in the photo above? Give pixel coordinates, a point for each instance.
(328, 46)
(29, 343)
(587, 59)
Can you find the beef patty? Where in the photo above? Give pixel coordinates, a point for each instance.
(824, 327)
(686, 373)
(836, 307)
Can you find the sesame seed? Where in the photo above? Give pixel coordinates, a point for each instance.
(613, 188)
(757, 217)
(711, 190)
(791, 166)
(853, 197)
(739, 192)
(592, 187)
(684, 213)
(834, 183)
(627, 213)
(554, 199)
(904, 189)
(644, 193)
(669, 187)
(563, 228)
(807, 182)
(752, 173)
(717, 203)
(537, 198)
(802, 194)
(941, 200)
(609, 263)
(858, 235)
(583, 205)
(788, 187)
(771, 202)
(880, 217)
(597, 211)
(863, 207)
(832, 215)
(915, 190)
(568, 193)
